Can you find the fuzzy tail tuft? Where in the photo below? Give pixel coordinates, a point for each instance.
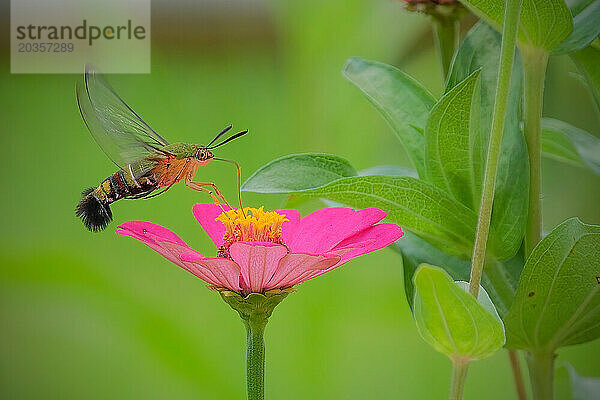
(95, 214)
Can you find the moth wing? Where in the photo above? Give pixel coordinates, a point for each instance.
(119, 131)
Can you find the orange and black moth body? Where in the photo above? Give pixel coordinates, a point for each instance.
(123, 184)
(94, 207)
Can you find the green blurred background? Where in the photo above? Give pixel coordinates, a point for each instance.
(99, 316)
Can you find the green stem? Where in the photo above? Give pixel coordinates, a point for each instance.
(507, 55)
(255, 358)
(446, 31)
(541, 374)
(459, 376)
(534, 64)
(255, 310)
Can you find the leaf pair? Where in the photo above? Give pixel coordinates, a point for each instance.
(551, 25)
(556, 28)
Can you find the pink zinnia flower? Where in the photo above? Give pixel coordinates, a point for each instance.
(259, 251)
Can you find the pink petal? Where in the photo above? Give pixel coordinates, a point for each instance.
(258, 261)
(157, 237)
(166, 243)
(148, 231)
(226, 272)
(367, 241)
(296, 268)
(323, 229)
(206, 215)
(288, 228)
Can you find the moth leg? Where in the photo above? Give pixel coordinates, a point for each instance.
(214, 193)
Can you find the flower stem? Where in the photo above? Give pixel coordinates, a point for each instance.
(507, 55)
(255, 310)
(459, 376)
(517, 375)
(534, 63)
(446, 31)
(541, 374)
(255, 358)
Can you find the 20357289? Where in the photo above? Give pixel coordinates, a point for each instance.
(46, 47)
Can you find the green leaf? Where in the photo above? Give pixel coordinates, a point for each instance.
(389, 170)
(297, 172)
(587, 61)
(453, 155)
(582, 387)
(543, 24)
(402, 101)
(417, 206)
(480, 50)
(571, 145)
(586, 14)
(558, 299)
(499, 278)
(451, 320)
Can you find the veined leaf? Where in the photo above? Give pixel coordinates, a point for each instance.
(586, 14)
(587, 61)
(543, 24)
(451, 320)
(558, 299)
(499, 278)
(480, 51)
(569, 144)
(296, 172)
(402, 101)
(416, 205)
(453, 152)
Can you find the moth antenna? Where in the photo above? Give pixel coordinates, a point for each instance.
(229, 139)
(225, 130)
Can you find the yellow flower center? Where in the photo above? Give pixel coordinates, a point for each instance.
(251, 225)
